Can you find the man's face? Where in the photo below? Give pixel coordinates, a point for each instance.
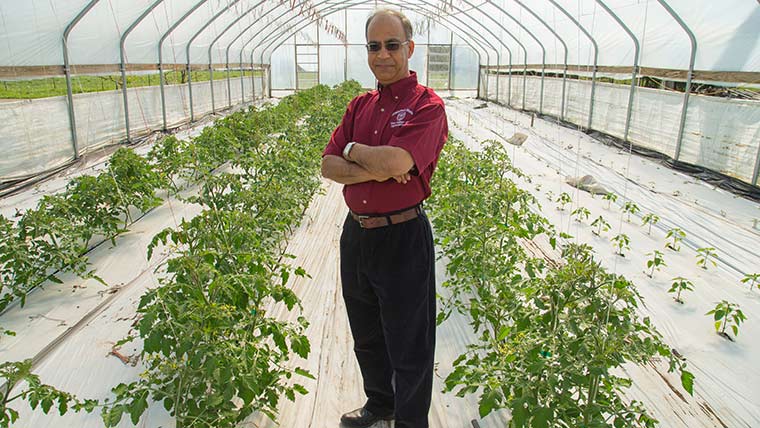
(388, 66)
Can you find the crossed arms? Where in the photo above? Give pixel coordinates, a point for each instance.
(367, 163)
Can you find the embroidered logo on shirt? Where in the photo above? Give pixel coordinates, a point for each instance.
(398, 117)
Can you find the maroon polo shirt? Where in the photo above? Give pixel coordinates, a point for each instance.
(403, 114)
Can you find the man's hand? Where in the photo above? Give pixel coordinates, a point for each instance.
(403, 178)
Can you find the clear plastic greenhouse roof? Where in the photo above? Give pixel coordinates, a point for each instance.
(725, 33)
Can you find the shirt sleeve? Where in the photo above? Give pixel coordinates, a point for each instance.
(341, 136)
(423, 136)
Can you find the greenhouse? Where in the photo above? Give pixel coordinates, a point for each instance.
(179, 189)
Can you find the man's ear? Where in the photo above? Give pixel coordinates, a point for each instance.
(411, 48)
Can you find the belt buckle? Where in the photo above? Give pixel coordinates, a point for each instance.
(361, 219)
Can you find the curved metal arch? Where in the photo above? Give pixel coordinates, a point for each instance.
(229, 46)
(122, 64)
(525, 52)
(161, 54)
(187, 51)
(437, 18)
(67, 72)
(509, 51)
(635, 64)
(292, 30)
(211, 46)
(274, 8)
(286, 33)
(564, 71)
(687, 90)
(303, 19)
(596, 58)
(422, 10)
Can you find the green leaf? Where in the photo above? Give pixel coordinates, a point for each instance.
(304, 373)
(503, 333)
(541, 417)
(488, 402)
(687, 380)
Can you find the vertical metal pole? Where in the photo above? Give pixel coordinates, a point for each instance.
(689, 76)
(190, 89)
(427, 57)
(451, 56)
(757, 168)
(345, 46)
(211, 81)
(318, 57)
(229, 84)
(543, 66)
(161, 54)
(295, 60)
(67, 73)
(596, 57)
(635, 65)
(242, 78)
(229, 5)
(122, 63)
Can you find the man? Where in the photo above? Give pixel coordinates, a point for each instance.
(385, 151)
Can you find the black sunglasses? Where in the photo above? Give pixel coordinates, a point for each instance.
(390, 46)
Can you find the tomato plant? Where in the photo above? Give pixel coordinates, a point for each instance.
(655, 262)
(549, 335)
(35, 392)
(679, 285)
(610, 198)
(207, 337)
(581, 213)
(650, 219)
(629, 208)
(706, 255)
(563, 199)
(725, 312)
(675, 235)
(601, 225)
(622, 243)
(752, 279)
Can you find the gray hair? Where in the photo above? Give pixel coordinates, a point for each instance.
(408, 31)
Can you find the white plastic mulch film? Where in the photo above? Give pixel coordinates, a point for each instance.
(307, 42)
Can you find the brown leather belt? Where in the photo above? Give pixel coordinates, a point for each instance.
(375, 221)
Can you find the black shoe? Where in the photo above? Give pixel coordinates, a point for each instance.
(362, 417)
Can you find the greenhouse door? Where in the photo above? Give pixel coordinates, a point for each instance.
(307, 66)
(439, 67)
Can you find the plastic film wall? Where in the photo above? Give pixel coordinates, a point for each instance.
(720, 134)
(36, 135)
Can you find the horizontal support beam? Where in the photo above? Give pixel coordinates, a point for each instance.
(57, 70)
(662, 73)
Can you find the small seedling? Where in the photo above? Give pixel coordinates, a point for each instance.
(622, 243)
(679, 285)
(549, 195)
(706, 255)
(610, 198)
(650, 219)
(655, 262)
(752, 278)
(676, 235)
(601, 224)
(563, 199)
(581, 213)
(630, 208)
(725, 312)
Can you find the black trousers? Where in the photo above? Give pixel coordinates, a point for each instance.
(388, 277)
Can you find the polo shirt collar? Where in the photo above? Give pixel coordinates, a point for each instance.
(398, 88)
